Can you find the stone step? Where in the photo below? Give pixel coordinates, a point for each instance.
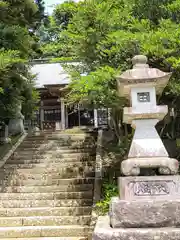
(46, 160)
(47, 181)
(40, 139)
(60, 136)
(45, 231)
(53, 158)
(46, 196)
(73, 145)
(8, 175)
(64, 173)
(49, 165)
(54, 155)
(50, 150)
(51, 238)
(45, 189)
(58, 171)
(60, 142)
(45, 211)
(45, 221)
(56, 145)
(59, 154)
(44, 203)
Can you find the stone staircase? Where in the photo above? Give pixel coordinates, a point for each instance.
(46, 188)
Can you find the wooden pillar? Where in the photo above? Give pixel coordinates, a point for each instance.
(63, 118)
(41, 115)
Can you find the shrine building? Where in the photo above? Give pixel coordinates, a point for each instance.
(51, 81)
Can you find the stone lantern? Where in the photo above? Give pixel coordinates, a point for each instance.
(141, 85)
(148, 207)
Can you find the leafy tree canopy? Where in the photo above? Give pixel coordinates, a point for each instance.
(64, 12)
(53, 42)
(17, 20)
(105, 35)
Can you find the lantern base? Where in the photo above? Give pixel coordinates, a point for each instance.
(165, 165)
(144, 188)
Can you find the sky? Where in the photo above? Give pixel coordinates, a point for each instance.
(49, 4)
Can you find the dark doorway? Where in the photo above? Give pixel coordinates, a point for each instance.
(80, 117)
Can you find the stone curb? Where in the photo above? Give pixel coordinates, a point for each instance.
(98, 177)
(98, 168)
(12, 150)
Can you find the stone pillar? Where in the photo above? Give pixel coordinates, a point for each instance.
(66, 115)
(79, 116)
(63, 119)
(41, 115)
(109, 116)
(95, 118)
(152, 146)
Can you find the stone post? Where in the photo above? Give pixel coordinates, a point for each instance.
(63, 120)
(95, 118)
(66, 116)
(148, 207)
(41, 115)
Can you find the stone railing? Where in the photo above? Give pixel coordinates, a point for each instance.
(98, 167)
(98, 175)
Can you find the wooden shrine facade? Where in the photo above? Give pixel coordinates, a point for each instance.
(52, 81)
(55, 114)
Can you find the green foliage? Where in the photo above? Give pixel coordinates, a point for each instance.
(48, 32)
(19, 12)
(109, 33)
(100, 89)
(53, 43)
(152, 10)
(40, 13)
(16, 43)
(55, 50)
(62, 59)
(64, 12)
(30, 99)
(104, 36)
(16, 38)
(109, 190)
(121, 148)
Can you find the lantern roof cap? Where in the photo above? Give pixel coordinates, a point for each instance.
(141, 72)
(142, 75)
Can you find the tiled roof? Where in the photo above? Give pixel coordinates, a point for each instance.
(49, 74)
